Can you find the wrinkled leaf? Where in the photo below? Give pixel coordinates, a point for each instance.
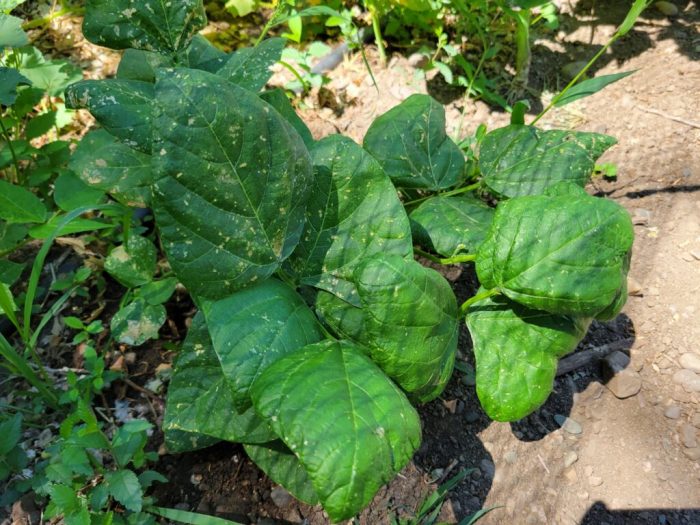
(152, 25)
(564, 254)
(137, 322)
(19, 205)
(234, 180)
(451, 225)
(353, 212)
(125, 488)
(411, 322)
(123, 107)
(279, 100)
(517, 350)
(103, 162)
(255, 327)
(10, 79)
(133, 264)
(71, 193)
(523, 160)
(350, 426)
(249, 67)
(411, 144)
(200, 409)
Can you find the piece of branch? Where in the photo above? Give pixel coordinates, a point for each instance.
(669, 117)
(586, 357)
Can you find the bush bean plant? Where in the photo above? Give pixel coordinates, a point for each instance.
(317, 330)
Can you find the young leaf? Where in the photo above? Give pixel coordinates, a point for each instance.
(102, 161)
(137, 322)
(51, 76)
(133, 264)
(517, 350)
(233, 183)
(577, 268)
(200, 407)
(255, 327)
(590, 87)
(279, 100)
(163, 27)
(523, 160)
(18, 205)
(123, 107)
(283, 467)
(129, 440)
(353, 212)
(40, 125)
(411, 322)
(70, 192)
(125, 488)
(411, 144)
(350, 426)
(10, 79)
(249, 67)
(451, 225)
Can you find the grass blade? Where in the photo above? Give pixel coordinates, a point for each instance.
(471, 520)
(192, 518)
(590, 87)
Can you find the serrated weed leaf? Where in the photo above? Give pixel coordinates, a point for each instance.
(564, 254)
(200, 408)
(233, 181)
(350, 426)
(411, 323)
(516, 350)
(412, 146)
(353, 213)
(522, 160)
(255, 327)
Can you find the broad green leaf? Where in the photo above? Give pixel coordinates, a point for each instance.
(123, 107)
(279, 100)
(565, 254)
(200, 409)
(522, 160)
(353, 212)
(40, 125)
(411, 322)
(283, 467)
(140, 65)
(78, 225)
(202, 54)
(11, 33)
(70, 192)
(590, 87)
(10, 271)
(19, 205)
(249, 67)
(345, 319)
(151, 25)
(614, 309)
(233, 183)
(11, 235)
(158, 292)
(411, 144)
(517, 350)
(451, 225)
(133, 264)
(137, 322)
(124, 487)
(10, 433)
(10, 79)
(255, 327)
(103, 162)
(52, 76)
(350, 426)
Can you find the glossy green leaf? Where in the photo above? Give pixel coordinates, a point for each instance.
(353, 212)
(350, 426)
(19, 205)
(200, 408)
(70, 192)
(345, 319)
(152, 25)
(283, 467)
(137, 322)
(614, 309)
(158, 292)
(10, 79)
(140, 65)
(202, 54)
(133, 264)
(279, 100)
(517, 350)
(411, 144)
(589, 87)
(249, 67)
(103, 162)
(523, 160)
(451, 225)
(125, 488)
(411, 324)
(123, 107)
(233, 186)
(11, 33)
(255, 327)
(564, 254)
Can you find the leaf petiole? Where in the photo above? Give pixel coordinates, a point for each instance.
(456, 259)
(478, 297)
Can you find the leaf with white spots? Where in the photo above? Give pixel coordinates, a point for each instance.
(199, 410)
(249, 67)
(255, 327)
(564, 253)
(350, 427)
(123, 107)
(279, 100)
(516, 351)
(137, 322)
(202, 54)
(233, 181)
(164, 26)
(411, 144)
(353, 213)
(134, 263)
(522, 160)
(140, 65)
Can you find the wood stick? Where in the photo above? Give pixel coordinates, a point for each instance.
(586, 357)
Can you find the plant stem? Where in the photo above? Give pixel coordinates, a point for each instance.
(457, 259)
(300, 79)
(478, 297)
(376, 27)
(32, 24)
(458, 191)
(15, 161)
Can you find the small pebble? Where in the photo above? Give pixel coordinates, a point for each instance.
(280, 497)
(692, 453)
(673, 412)
(690, 361)
(570, 458)
(567, 424)
(488, 468)
(689, 436)
(595, 481)
(471, 417)
(641, 217)
(695, 420)
(689, 380)
(667, 8)
(511, 456)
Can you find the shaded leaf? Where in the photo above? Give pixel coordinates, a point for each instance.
(249, 67)
(9, 273)
(137, 322)
(19, 205)
(140, 65)
(124, 487)
(133, 264)
(158, 292)
(11, 33)
(71, 193)
(10, 79)
(279, 100)
(202, 54)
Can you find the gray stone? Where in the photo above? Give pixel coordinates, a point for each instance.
(621, 380)
(488, 468)
(595, 481)
(689, 436)
(641, 217)
(471, 416)
(695, 420)
(692, 453)
(634, 287)
(667, 8)
(689, 380)
(570, 458)
(511, 456)
(673, 412)
(567, 424)
(690, 361)
(280, 497)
